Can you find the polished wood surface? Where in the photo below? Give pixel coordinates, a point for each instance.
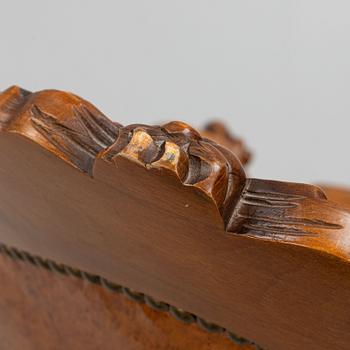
(338, 194)
(40, 309)
(171, 214)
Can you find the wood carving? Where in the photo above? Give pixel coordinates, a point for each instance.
(217, 132)
(170, 213)
(63, 123)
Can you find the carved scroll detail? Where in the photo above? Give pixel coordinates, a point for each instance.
(196, 161)
(77, 132)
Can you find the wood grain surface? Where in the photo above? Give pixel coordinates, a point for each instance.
(171, 214)
(41, 309)
(338, 194)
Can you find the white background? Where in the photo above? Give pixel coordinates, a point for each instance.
(278, 72)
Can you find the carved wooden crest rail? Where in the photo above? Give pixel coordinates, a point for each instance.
(170, 213)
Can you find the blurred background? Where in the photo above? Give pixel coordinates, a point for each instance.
(276, 72)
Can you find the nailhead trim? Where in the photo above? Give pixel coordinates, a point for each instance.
(179, 314)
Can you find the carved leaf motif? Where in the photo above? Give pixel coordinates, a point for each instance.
(275, 211)
(80, 141)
